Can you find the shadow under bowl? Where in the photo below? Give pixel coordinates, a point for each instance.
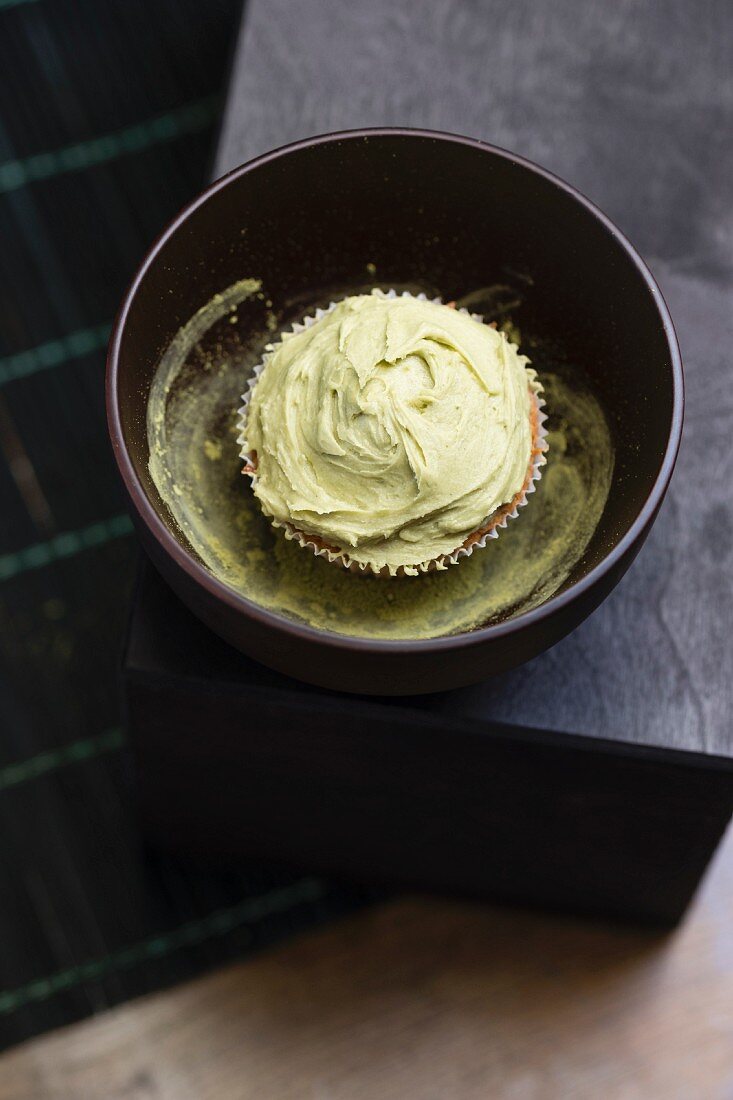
(337, 214)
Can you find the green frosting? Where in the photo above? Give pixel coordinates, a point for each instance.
(391, 428)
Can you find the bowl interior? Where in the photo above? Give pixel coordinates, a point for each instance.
(425, 214)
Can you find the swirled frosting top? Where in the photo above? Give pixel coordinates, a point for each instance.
(391, 428)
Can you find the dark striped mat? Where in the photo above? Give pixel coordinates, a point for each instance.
(107, 120)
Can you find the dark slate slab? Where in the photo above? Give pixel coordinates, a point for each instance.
(236, 763)
(597, 778)
(631, 103)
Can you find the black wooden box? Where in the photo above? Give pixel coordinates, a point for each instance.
(456, 792)
(599, 777)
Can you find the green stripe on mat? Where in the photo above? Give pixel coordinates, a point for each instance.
(216, 924)
(189, 119)
(75, 753)
(63, 546)
(5, 4)
(54, 353)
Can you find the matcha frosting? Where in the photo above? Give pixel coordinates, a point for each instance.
(391, 428)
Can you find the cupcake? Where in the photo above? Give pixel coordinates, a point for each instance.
(392, 434)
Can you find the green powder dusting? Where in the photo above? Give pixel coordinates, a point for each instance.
(197, 470)
(213, 449)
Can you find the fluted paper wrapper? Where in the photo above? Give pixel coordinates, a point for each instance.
(488, 530)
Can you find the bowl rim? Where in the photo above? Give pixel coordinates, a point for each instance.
(198, 572)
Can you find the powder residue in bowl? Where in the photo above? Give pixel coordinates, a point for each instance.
(195, 466)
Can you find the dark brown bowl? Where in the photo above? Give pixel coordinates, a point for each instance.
(431, 210)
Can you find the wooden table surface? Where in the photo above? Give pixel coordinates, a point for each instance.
(425, 998)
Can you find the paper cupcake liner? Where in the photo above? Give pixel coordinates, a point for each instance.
(479, 538)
